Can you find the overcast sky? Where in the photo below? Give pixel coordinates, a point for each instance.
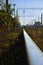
(28, 4)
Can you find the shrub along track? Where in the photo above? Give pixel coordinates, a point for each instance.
(37, 35)
(12, 48)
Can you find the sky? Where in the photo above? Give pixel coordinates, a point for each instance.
(28, 4)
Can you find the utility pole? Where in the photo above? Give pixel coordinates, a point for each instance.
(17, 12)
(38, 18)
(24, 16)
(41, 19)
(14, 9)
(7, 6)
(7, 2)
(1, 3)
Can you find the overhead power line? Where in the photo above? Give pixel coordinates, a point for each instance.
(30, 8)
(27, 15)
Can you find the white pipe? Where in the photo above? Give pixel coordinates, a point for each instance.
(35, 56)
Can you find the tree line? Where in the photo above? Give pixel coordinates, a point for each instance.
(6, 20)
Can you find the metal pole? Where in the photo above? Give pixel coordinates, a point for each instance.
(7, 2)
(38, 18)
(24, 16)
(7, 6)
(14, 9)
(17, 12)
(41, 19)
(1, 3)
